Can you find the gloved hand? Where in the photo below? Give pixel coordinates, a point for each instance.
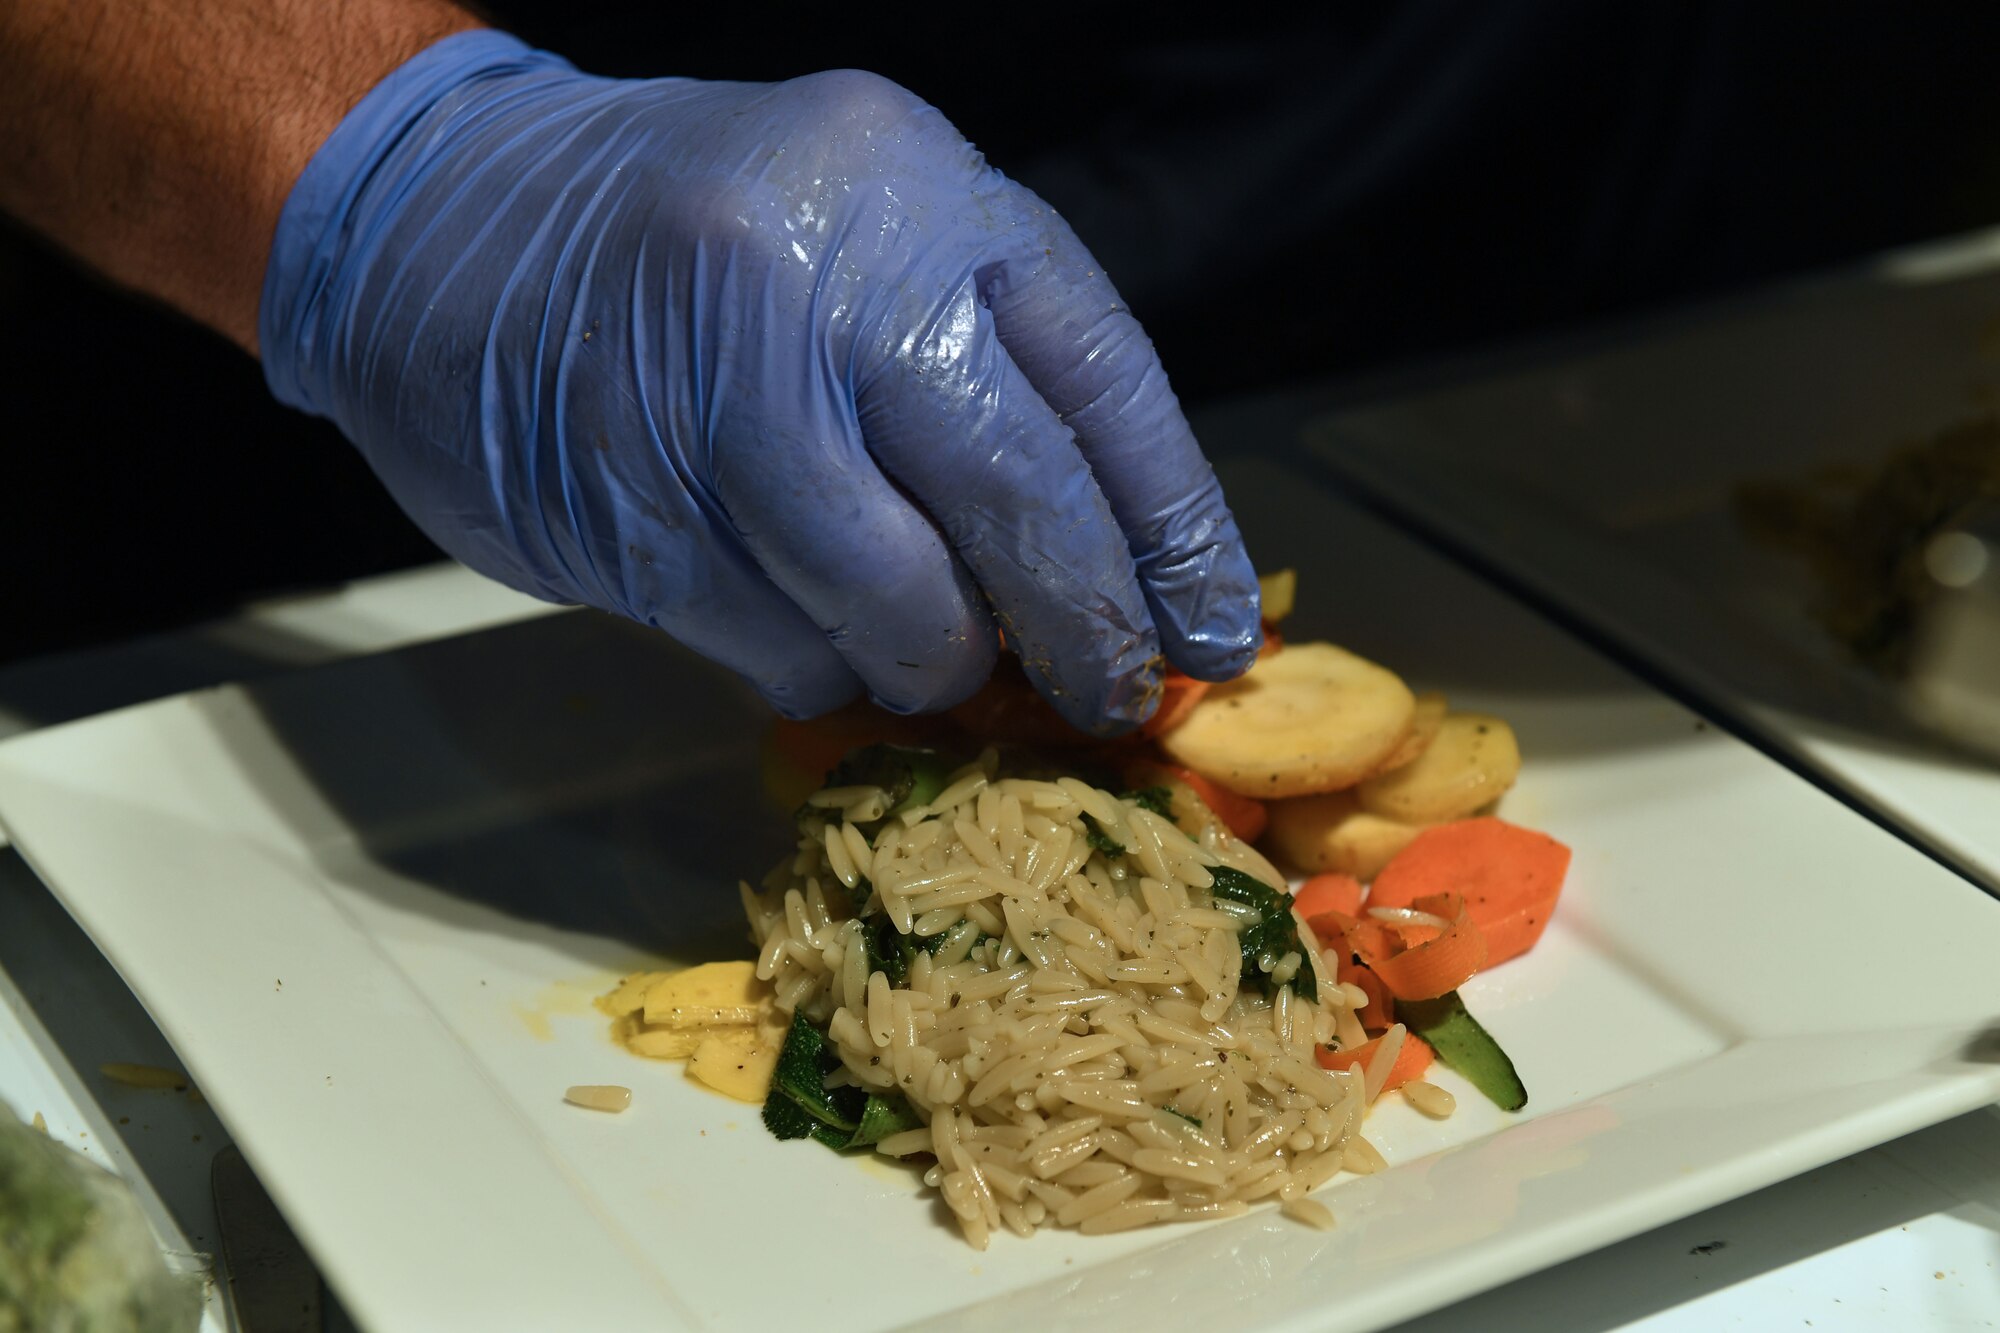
(785, 370)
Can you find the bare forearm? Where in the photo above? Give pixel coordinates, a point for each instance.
(157, 140)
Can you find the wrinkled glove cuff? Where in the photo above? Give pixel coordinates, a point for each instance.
(317, 229)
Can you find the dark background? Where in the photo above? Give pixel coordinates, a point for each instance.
(1279, 198)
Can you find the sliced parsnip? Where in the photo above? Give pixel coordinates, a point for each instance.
(629, 997)
(1333, 832)
(669, 1015)
(712, 995)
(1276, 592)
(1308, 718)
(736, 1062)
(656, 1043)
(1425, 719)
(1472, 760)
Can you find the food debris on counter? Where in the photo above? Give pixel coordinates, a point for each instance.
(145, 1076)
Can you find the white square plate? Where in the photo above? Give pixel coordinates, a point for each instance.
(369, 903)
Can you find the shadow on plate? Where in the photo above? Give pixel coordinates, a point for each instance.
(581, 772)
(1983, 1049)
(572, 771)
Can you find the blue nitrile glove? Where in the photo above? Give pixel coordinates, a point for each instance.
(785, 370)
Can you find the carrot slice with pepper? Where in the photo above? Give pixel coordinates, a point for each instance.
(1412, 1062)
(1380, 1011)
(1365, 937)
(1438, 964)
(1344, 937)
(1328, 893)
(1509, 877)
(1179, 693)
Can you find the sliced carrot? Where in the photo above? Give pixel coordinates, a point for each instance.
(814, 746)
(1358, 935)
(1179, 693)
(1411, 1062)
(1365, 937)
(1437, 965)
(1344, 936)
(1008, 710)
(1380, 1011)
(1328, 893)
(1246, 818)
(1333, 927)
(1509, 877)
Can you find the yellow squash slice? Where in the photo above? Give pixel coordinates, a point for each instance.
(1308, 718)
(1333, 832)
(1470, 763)
(1424, 722)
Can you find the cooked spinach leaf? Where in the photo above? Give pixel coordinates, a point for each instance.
(803, 1064)
(911, 776)
(784, 1118)
(801, 1106)
(889, 952)
(1099, 840)
(1274, 935)
(880, 1117)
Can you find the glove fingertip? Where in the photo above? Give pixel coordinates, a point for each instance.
(949, 679)
(1207, 602)
(1125, 701)
(799, 699)
(1220, 657)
